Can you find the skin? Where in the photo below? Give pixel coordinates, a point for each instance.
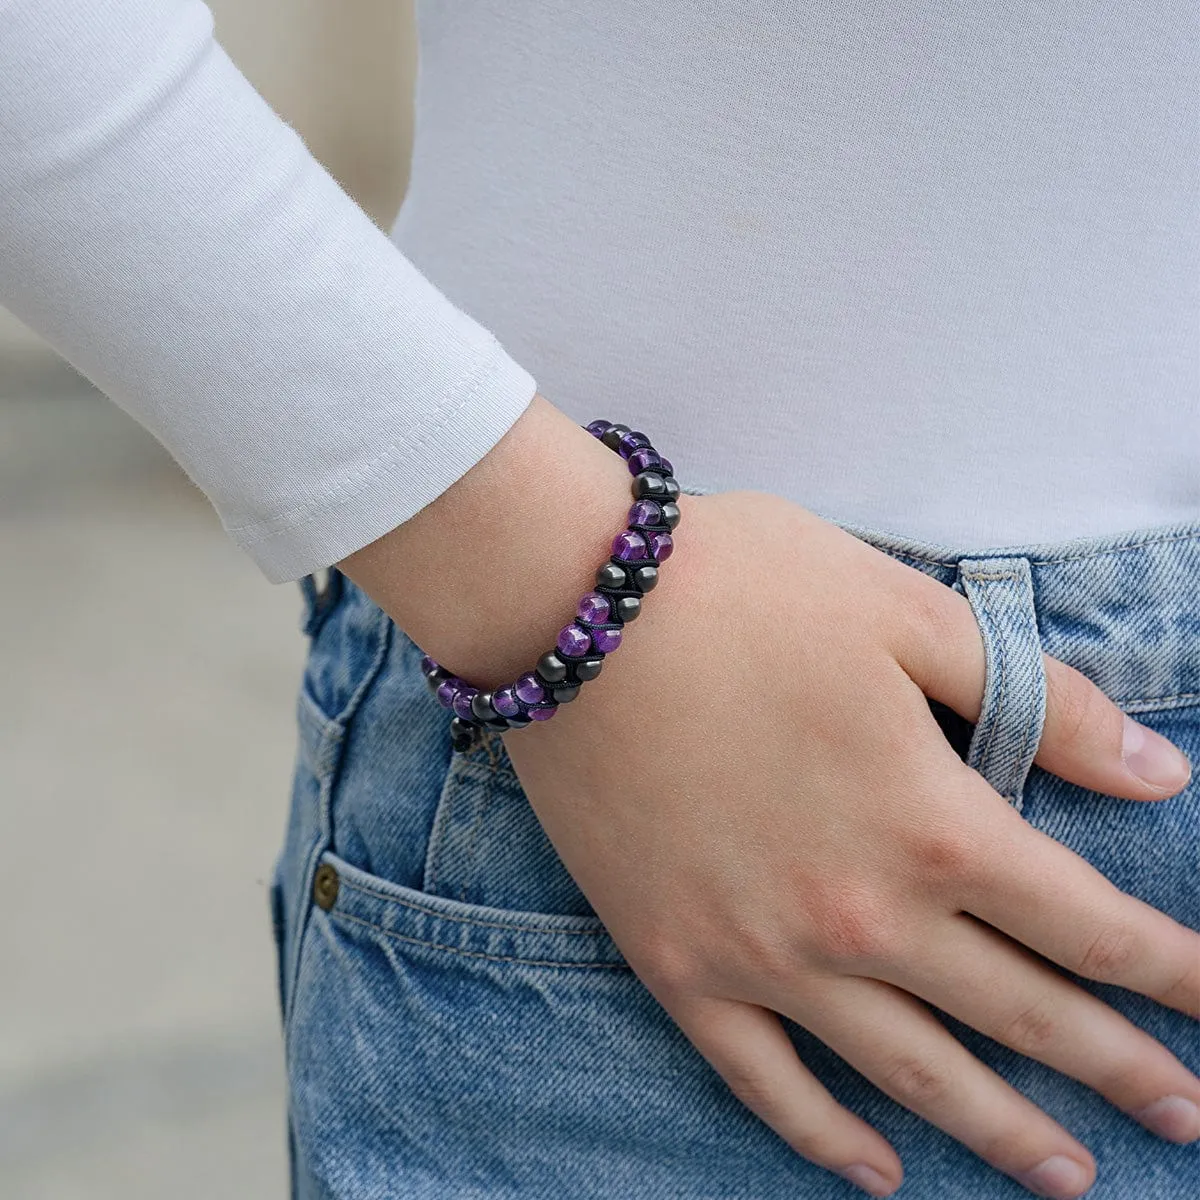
(811, 846)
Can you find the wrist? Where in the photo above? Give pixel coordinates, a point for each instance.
(484, 577)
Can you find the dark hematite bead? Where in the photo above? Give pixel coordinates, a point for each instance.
(670, 515)
(564, 695)
(611, 575)
(499, 725)
(671, 484)
(587, 669)
(518, 722)
(482, 708)
(644, 578)
(628, 607)
(463, 735)
(649, 486)
(551, 668)
(611, 437)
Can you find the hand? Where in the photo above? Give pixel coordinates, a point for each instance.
(779, 826)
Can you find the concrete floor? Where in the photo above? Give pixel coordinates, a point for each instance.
(148, 675)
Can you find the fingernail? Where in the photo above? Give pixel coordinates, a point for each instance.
(868, 1179)
(1059, 1177)
(1152, 758)
(1173, 1118)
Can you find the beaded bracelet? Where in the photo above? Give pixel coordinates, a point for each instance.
(631, 571)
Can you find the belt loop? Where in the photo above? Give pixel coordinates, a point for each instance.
(1000, 591)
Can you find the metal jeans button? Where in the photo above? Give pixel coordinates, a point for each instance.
(325, 886)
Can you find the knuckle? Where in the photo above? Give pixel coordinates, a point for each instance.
(947, 854)
(1111, 954)
(849, 928)
(915, 1084)
(1031, 1030)
(1184, 992)
(669, 968)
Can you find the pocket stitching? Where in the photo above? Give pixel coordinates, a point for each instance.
(443, 916)
(530, 962)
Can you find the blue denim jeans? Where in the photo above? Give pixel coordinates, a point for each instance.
(459, 1023)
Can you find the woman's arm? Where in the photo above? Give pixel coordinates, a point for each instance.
(175, 241)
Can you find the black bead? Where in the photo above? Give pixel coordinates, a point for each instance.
(481, 706)
(463, 734)
(670, 512)
(628, 607)
(551, 668)
(611, 575)
(435, 676)
(611, 437)
(499, 725)
(588, 668)
(644, 578)
(671, 484)
(564, 695)
(519, 722)
(649, 486)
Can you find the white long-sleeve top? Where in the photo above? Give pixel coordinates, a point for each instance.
(933, 268)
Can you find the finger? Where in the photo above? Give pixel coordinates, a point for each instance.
(750, 1050)
(990, 983)
(898, 1044)
(1086, 738)
(1097, 931)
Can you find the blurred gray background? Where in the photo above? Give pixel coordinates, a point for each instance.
(146, 734)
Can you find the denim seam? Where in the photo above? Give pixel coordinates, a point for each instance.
(1001, 683)
(481, 810)
(433, 912)
(1034, 561)
(529, 962)
(1182, 700)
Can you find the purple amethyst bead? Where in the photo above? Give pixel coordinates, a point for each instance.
(629, 546)
(462, 702)
(427, 664)
(543, 712)
(640, 460)
(573, 641)
(661, 545)
(446, 690)
(631, 441)
(645, 512)
(505, 703)
(528, 689)
(598, 428)
(606, 640)
(665, 463)
(593, 607)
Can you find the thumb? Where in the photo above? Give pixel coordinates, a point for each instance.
(1086, 738)
(1090, 741)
